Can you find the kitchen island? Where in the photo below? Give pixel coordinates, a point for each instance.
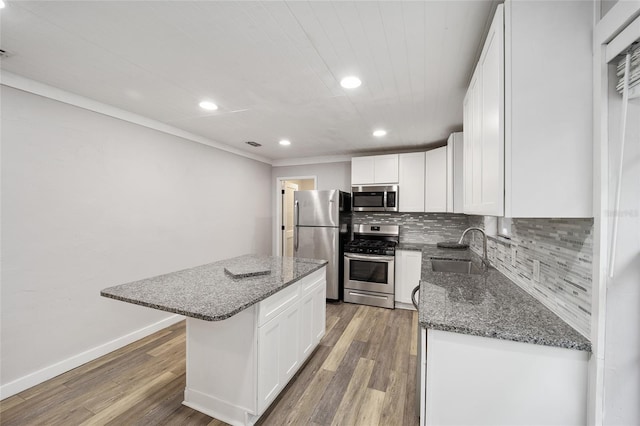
(252, 321)
(494, 354)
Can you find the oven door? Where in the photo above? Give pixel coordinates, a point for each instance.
(369, 272)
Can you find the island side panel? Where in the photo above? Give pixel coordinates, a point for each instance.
(485, 381)
(222, 366)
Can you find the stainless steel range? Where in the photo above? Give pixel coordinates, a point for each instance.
(369, 265)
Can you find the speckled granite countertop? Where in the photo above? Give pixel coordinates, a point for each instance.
(207, 292)
(487, 304)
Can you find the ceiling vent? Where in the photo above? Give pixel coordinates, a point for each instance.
(253, 144)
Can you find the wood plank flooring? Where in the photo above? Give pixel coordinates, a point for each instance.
(363, 373)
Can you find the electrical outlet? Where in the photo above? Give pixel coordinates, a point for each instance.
(536, 271)
(514, 252)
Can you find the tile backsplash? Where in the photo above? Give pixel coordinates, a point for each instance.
(423, 228)
(564, 248)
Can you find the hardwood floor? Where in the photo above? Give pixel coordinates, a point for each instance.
(363, 373)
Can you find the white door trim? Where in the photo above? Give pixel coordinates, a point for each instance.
(277, 234)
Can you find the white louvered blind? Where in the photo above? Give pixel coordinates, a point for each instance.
(634, 72)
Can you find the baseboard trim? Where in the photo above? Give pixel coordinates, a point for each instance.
(218, 409)
(70, 363)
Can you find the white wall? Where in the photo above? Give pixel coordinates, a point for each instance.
(90, 201)
(330, 175)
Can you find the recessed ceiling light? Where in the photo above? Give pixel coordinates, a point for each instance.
(379, 133)
(2, 5)
(284, 142)
(350, 82)
(209, 106)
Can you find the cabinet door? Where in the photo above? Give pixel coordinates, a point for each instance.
(307, 331)
(467, 144)
(492, 126)
(408, 271)
(484, 128)
(455, 169)
(269, 352)
(319, 312)
(289, 343)
(411, 170)
(435, 198)
(386, 168)
(362, 170)
(278, 354)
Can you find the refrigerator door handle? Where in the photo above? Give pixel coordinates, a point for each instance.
(296, 234)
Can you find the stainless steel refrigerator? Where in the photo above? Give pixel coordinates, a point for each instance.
(321, 227)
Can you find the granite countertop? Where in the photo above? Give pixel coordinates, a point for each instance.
(210, 293)
(487, 304)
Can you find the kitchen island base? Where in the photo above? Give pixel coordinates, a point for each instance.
(237, 367)
(486, 381)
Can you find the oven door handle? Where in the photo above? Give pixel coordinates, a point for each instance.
(369, 257)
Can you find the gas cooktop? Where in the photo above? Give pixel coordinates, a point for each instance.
(371, 247)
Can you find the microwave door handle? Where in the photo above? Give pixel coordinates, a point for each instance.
(296, 234)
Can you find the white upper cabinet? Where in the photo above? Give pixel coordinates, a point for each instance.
(455, 167)
(435, 197)
(411, 182)
(484, 110)
(376, 169)
(527, 114)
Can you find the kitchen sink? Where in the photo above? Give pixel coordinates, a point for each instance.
(457, 266)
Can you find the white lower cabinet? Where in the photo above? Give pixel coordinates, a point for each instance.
(312, 316)
(473, 380)
(237, 367)
(408, 271)
(278, 354)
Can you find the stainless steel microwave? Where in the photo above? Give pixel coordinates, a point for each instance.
(366, 198)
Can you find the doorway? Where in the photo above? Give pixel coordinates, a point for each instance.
(285, 211)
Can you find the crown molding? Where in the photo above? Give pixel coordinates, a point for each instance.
(311, 160)
(27, 85)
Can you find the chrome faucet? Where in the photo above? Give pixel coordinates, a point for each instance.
(485, 259)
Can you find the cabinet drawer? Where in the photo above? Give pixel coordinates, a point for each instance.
(277, 303)
(308, 284)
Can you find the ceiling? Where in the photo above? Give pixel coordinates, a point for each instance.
(273, 67)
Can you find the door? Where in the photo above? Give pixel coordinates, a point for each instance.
(321, 243)
(287, 218)
(317, 208)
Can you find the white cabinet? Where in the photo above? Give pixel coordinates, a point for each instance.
(362, 170)
(527, 114)
(375, 169)
(408, 271)
(435, 188)
(455, 169)
(484, 116)
(312, 316)
(278, 354)
(411, 182)
(238, 366)
(466, 380)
